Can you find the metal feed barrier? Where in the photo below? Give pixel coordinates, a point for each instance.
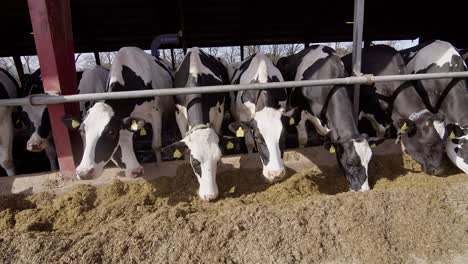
(368, 79)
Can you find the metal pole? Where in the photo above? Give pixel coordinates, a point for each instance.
(97, 58)
(173, 59)
(242, 52)
(306, 44)
(357, 49)
(364, 79)
(19, 69)
(51, 24)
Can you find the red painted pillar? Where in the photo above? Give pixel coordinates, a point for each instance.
(51, 23)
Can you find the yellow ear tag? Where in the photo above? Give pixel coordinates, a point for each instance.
(17, 121)
(230, 145)
(332, 149)
(143, 132)
(373, 145)
(240, 132)
(134, 126)
(177, 154)
(452, 135)
(403, 128)
(292, 121)
(75, 123)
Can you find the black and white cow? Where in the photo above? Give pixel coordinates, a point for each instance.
(447, 96)
(199, 117)
(398, 103)
(8, 90)
(37, 117)
(107, 129)
(260, 114)
(330, 110)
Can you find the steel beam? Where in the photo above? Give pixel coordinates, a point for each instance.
(242, 52)
(97, 58)
(357, 49)
(51, 24)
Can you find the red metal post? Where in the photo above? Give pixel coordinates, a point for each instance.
(51, 23)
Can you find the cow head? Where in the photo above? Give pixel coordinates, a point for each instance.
(105, 135)
(268, 127)
(422, 138)
(204, 146)
(35, 118)
(353, 156)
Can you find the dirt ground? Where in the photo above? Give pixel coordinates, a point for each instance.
(408, 217)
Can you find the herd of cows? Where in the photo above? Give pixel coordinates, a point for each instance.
(428, 117)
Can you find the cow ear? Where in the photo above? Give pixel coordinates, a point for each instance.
(176, 150)
(292, 116)
(406, 126)
(71, 122)
(375, 141)
(229, 145)
(133, 124)
(239, 128)
(331, 146)
(453, 131)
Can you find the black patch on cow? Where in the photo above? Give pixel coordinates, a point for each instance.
(132, 82)
(242, 68)
(196, 165)
(108, 140)
(44, 128)
(117, 157)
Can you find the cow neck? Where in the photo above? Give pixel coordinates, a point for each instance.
(409, 100)
(425, 98)
(342, 124)
(195, 115)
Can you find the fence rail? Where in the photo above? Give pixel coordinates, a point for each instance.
(44, 99)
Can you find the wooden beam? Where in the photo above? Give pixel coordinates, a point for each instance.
(97, 58)
(51, 24)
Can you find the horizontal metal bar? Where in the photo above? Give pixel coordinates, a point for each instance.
(43, 99)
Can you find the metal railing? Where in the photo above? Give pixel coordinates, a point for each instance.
(43, 99)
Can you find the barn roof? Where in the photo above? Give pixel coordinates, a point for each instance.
(103, 25)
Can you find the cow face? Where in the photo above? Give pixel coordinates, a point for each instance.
(353, 156)
(103, 136)
(38, 121)
(422, 139)
(205, 147)
(268, 129)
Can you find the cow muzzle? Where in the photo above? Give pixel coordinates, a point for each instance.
(134, 173)
(274, 175)
(36, 146)
(85, 174)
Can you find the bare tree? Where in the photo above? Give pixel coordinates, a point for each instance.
(250, 50)
(273, 52)
(290, 49)
(231, 54)
(30, 63)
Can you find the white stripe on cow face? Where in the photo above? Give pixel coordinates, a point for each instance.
(270, 127)
(440, 128)
(204, 157)
(99, 116)
(365, 153)
(36, 142)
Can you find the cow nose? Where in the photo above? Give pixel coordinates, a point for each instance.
(35, 147)
(275, 175)
(208, 197)
(85, 174)
(436, 171)
(138, 172)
